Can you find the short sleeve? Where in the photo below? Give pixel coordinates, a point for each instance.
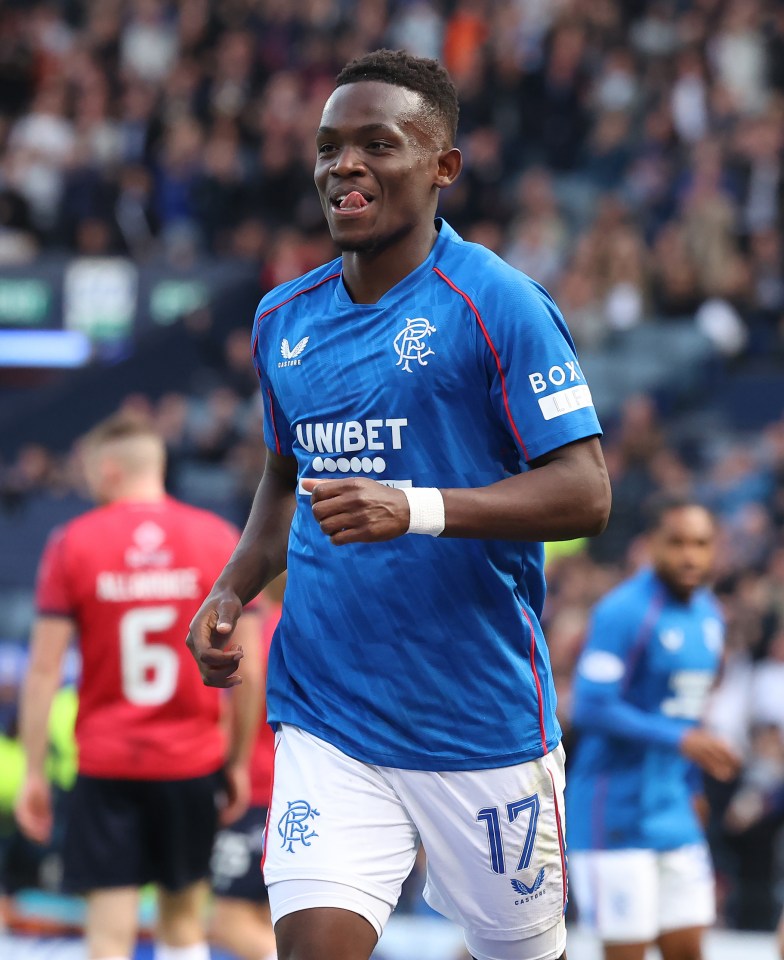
(537, 385)
(53, 595)
(277, 431)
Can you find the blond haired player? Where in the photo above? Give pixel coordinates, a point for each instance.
(125, 579)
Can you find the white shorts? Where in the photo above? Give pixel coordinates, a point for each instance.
(631, 896)
(345, 833)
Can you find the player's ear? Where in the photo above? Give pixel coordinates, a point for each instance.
(450, 163)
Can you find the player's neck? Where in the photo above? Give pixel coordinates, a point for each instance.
(680, 594)
(138, 491)
(369, 275)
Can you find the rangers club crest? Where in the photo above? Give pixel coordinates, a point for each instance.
(295, 824)
(411, 343)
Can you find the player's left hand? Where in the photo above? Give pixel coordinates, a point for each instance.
(357, 509)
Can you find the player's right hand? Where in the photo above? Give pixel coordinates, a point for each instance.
(208, 635)
(33, 809)
(711, 753)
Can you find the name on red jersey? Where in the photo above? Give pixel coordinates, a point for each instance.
(121, 587)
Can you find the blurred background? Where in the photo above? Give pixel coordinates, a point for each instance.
(156, 179)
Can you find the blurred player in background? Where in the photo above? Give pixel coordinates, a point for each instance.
(427, 424)
(125, 579)
(241, 920)
(639, 862)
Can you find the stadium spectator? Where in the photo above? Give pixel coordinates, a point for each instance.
(126, 577)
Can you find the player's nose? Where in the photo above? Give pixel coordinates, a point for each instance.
(346, 162)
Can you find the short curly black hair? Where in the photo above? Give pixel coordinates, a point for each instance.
(400, 69)
(658, 505)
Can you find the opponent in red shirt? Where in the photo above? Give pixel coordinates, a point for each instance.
(127, 578)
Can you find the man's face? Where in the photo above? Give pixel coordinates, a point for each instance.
(376, 165)
(683, 548)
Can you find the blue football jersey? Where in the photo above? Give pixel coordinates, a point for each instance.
(642, 680)
(422, 652)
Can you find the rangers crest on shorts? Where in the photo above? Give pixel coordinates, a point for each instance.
(293, 826)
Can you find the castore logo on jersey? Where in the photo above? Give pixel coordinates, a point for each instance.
(291, 355)
(411, 343)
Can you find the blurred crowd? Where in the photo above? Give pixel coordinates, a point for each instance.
(628, 154)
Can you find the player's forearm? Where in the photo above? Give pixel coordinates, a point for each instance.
(39, 689)
(260, 555)
(566, 497)
(623, 721)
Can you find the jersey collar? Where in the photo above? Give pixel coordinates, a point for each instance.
(445, 235)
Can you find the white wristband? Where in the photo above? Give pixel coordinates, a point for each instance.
(426, 507)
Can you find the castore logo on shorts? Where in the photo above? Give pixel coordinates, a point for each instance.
(529, 893)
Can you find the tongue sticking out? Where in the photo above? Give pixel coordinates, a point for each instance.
(354, 201)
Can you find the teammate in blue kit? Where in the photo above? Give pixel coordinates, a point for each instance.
(640, 867)
(428, 425)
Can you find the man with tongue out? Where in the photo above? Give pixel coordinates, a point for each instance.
(428, 427)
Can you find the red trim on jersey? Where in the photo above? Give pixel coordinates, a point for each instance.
(269, 809)
(272, 418)
(493, 350)
(539, 697)
(561, 847)
(277, 306)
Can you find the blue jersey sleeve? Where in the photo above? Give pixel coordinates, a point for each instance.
(277, 431)
(603, 671)
(536, 383)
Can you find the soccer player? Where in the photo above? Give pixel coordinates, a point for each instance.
(640, 866)
(240, 922)
(126, 578)
(428, 425)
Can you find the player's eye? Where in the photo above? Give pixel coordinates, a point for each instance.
(325, 148)
(377, 145)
